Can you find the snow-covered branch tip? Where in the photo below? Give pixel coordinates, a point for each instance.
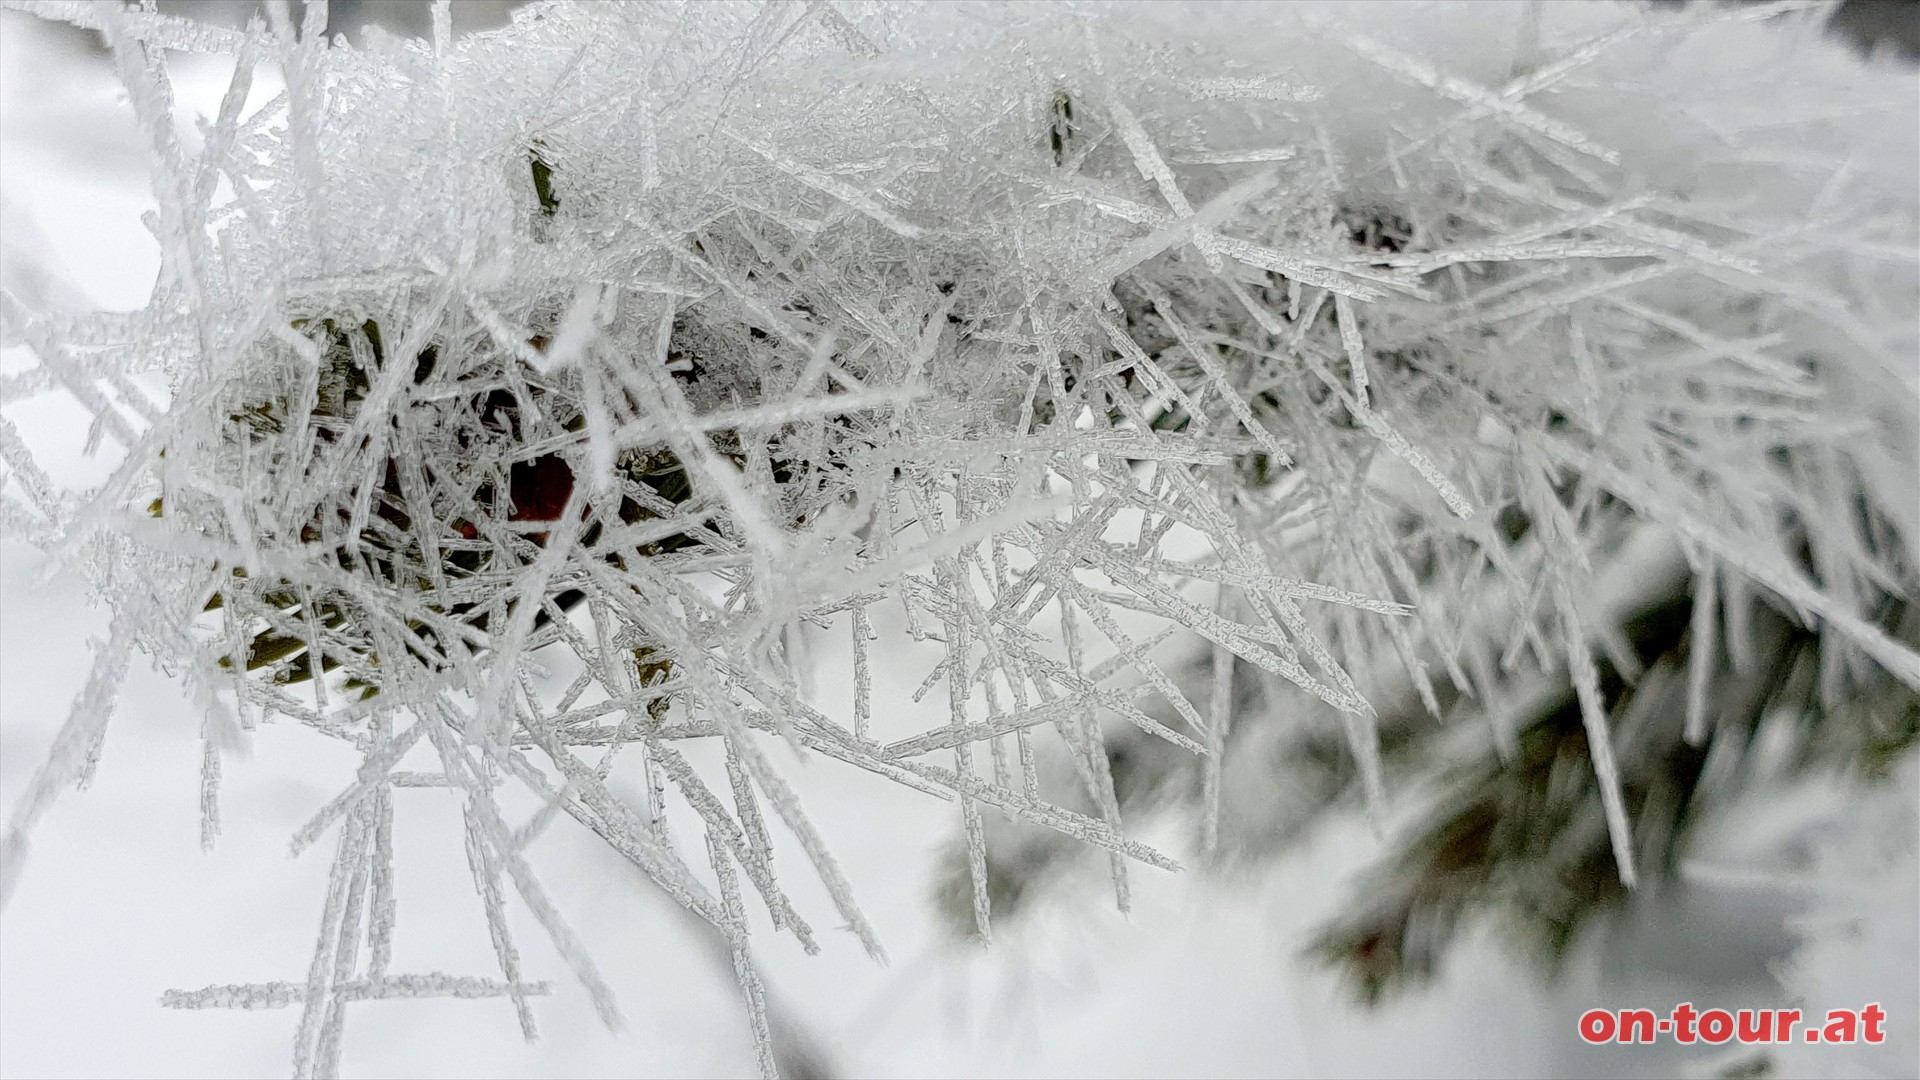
(642, 340)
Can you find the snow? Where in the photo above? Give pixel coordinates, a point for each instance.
(856, 265)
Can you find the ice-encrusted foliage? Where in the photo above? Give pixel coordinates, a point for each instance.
(628, 338)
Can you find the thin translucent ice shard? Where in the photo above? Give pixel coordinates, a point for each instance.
(1511, 110)
(1059, 819)
(210, 771)
(86, 722)
(493, 857)
(751, 989)
(1702, 651)
(1356, 349)
(433, 428)
(1217, 376)
(788, 808)
(1262, 88)
(279, 995)
(1237, 157)
(753, 853)
(1182, 229)
(814, 178)
(27, 472)
(319, 1021)
(1897, 658)
(1220, 716)
(1606, 770)
(373, 773)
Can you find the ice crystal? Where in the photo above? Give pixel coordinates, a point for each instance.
(641, 333)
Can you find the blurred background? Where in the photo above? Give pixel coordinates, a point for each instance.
(1869, 24)
(1313, 947)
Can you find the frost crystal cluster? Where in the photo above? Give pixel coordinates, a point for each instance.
(526, 392)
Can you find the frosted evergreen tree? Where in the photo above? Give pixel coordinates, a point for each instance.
(1511, 409)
